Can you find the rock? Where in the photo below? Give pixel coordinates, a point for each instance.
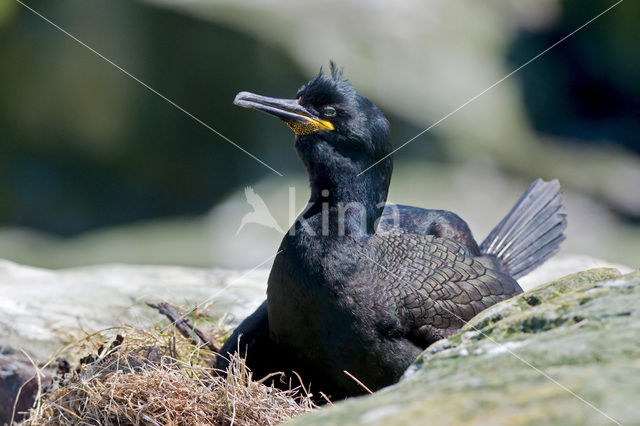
(567, 352)
(18, 378)
(581, 330)
(562, 265)
(42, 310)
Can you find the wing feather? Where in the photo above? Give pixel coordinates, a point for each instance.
(437, 283)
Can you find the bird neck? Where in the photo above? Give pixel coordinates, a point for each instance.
(348, 204)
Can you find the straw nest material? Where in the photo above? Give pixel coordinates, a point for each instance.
(159, 377)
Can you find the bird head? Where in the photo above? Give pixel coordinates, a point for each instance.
(339, 133)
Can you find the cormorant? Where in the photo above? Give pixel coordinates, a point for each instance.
(360, 287)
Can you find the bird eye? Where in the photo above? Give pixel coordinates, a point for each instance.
(329, 112)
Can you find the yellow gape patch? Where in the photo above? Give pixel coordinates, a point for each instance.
(309, 126)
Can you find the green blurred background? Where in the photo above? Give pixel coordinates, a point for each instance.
(95, 168)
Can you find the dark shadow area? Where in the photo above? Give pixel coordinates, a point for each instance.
(587, 88)
(85, 146)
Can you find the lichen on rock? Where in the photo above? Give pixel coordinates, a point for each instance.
(567, 352)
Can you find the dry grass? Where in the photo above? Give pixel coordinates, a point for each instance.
(156, 377)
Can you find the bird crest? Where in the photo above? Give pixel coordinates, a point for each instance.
(325, 89)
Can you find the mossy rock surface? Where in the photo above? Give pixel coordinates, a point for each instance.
(567, 352)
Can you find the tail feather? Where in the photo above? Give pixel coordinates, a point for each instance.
(537, 253)
(543, 222)
(528, 264)
(531, 232)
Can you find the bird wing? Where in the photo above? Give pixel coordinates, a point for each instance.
(436, 283)
(440, 223)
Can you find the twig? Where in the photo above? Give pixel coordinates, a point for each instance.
(357, 381)
(326, 398)
(185, 327)
(36, 400)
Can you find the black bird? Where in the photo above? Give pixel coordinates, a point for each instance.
(361, 287)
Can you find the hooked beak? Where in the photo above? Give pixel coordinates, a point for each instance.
(297, 117)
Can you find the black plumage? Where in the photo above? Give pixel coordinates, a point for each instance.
(361, 286)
